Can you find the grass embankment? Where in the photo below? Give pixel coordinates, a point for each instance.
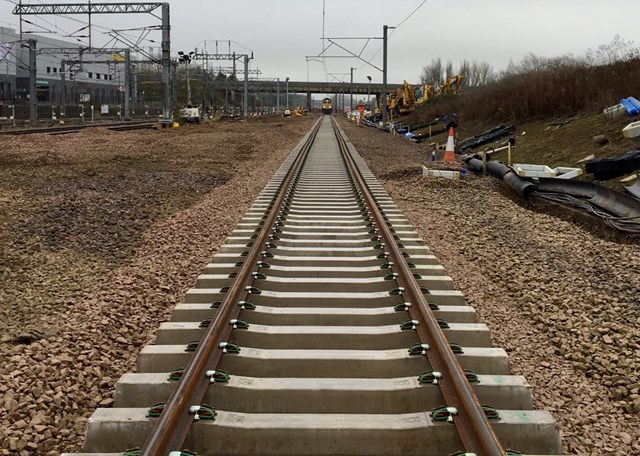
(534, 97)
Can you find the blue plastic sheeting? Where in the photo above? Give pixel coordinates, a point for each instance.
(631, 105)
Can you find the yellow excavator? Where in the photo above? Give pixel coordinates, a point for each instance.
(402, 101)
(448, 86)
(406, 98)
(298, 112)
(423, 93)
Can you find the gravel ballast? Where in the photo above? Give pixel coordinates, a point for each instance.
(94, 260)
(560, 296)
(92, 308)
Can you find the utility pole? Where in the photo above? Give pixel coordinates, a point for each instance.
(63, 82)
(351, 102)
(246, 86)
(287, 81)
(166, 61)
(127, 84)
(277, 96)
(188, 86)
(134, 87)
(33, 89)
(385, 39)
(174, 80)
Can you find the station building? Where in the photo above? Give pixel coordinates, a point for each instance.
(84, 82)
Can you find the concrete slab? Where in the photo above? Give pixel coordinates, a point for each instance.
(317, 284)
(323, 395)
(264, 434)
(325, 337)
(319, 271)
(322, 363)
(313, 299)
(355, 316)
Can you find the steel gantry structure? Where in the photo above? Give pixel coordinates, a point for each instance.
(101, 51)
(87, 8)
(61, 9)
(204, 56)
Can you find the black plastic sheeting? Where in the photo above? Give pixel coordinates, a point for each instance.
(404, 130)
(616, 209)
(610, 168)
(486, 137)
(425, 136)
(447, 122)
(612, 201)
(634, 189)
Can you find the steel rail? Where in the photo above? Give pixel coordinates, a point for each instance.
(113, 126)
(171, 430)
(474, 429)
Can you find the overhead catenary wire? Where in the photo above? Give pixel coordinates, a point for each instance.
(86, 24)
(325, 47)
(396, 28)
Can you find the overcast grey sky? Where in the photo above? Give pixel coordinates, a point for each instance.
(282, 32)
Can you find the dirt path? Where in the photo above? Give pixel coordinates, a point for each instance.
(561, 298)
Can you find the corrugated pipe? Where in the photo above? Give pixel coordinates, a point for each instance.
(521, 186)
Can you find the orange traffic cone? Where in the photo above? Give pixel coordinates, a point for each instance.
(449, 152)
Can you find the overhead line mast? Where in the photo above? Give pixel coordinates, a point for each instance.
(62, 9)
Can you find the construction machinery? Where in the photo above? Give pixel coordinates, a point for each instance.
(190, 115)
(298, 112)
(403, 101)
(448, 86)
(423, 93)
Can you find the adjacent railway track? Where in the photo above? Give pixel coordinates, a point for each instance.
(323, 326)
(69, 129)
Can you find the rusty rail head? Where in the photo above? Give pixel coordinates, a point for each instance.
(171, 429)
(474, 429)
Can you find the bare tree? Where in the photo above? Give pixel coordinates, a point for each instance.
(618, 50)
(433, 73)
(474, 73)
(483, 73)
(448, 72)
(465, 71)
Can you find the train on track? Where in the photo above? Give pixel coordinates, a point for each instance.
(326, 106)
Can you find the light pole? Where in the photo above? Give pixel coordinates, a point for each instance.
(369, 93)
(385, 42)
(186, 59)
(287, 81)
(351, 88)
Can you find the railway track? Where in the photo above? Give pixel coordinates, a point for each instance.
(323, 326)
(69, 129)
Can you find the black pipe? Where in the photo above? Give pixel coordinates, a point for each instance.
(625, 207)
(497, 169)
(605, 198)
(521, 186)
